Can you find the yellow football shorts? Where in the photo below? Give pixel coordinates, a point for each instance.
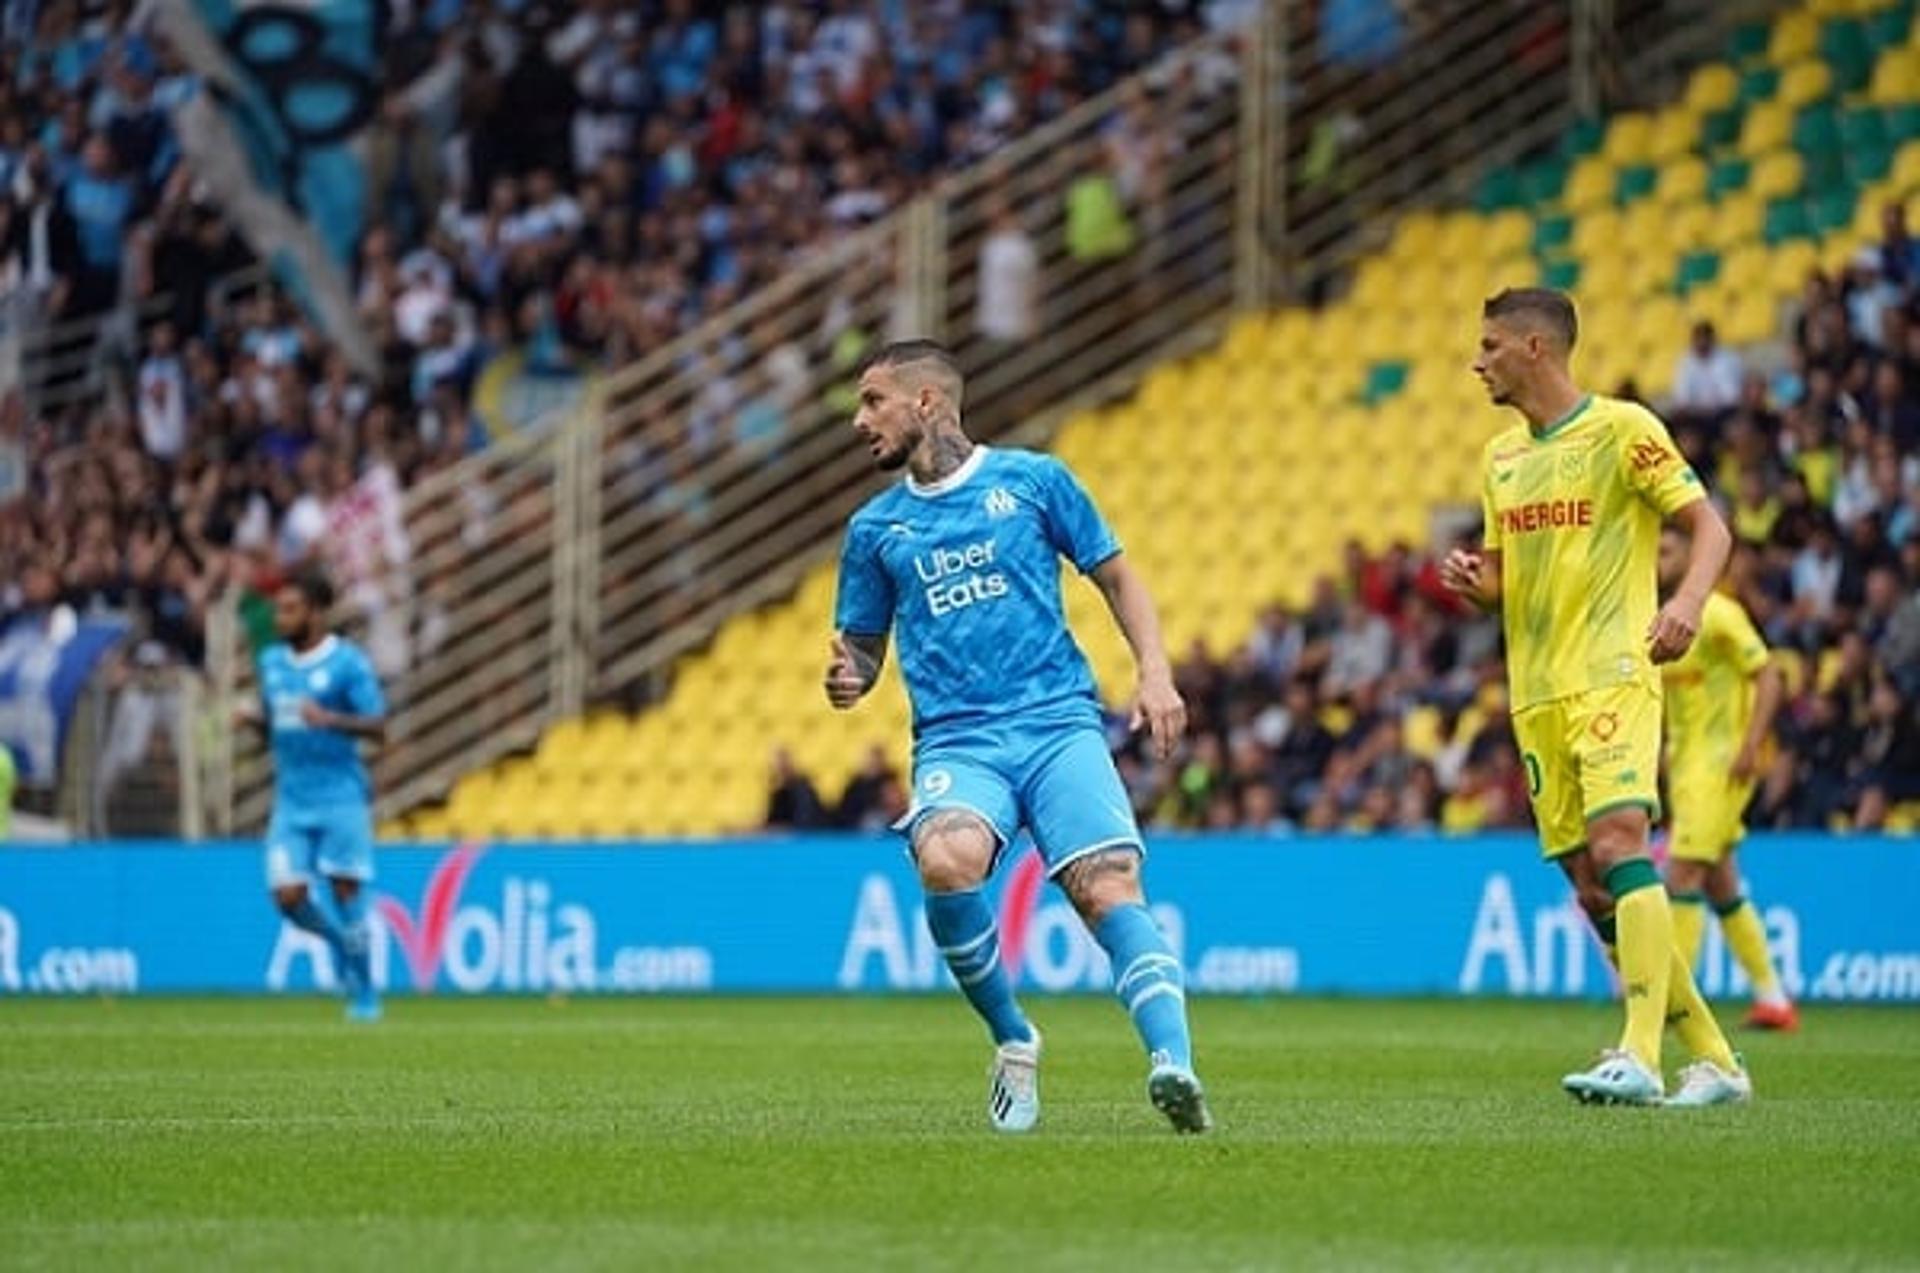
(1708, 812)
(1589, 754)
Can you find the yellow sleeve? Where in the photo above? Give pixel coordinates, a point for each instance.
(1745, 647)
(1653, 465)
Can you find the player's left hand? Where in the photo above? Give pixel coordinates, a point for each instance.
(1159, 708)
(1746, 765)
(1671, 633)
(316, 716)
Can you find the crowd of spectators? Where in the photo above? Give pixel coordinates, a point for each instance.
(563, 187)
(1382, 704)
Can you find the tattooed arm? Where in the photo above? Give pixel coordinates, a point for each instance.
(855, 666)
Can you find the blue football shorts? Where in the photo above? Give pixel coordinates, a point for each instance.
(1056, 781)
(335, 842)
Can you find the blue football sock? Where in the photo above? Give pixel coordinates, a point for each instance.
(355, 944)
(963, 928)
(1147, 978)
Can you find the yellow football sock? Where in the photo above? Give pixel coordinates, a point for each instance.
(1747, 938)
(1647, 956)
(1693, 1020)
(1689, 924)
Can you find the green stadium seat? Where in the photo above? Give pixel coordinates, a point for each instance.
(1561, 273)
(1551, 232)
(1889, 27)
(1759, 85)
(1696, 269)
(1903, 122)
(1499, 190)
(1825, 169)
(1845, 48)
(1833, 210)
(1582, 138)
(1786, 219)
(1720, 128)
(1728, 176)
(1384, 379)
(1816, 128)
(1868, 164)
(1542, 181)
(1635, 183)
(1747, 42)
(1864, 126)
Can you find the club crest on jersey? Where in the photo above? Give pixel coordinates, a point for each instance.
(1605, 726)
(1000, 503)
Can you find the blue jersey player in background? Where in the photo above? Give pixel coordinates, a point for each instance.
(960, 562)
(319, 698)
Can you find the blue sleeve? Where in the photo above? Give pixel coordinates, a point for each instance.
(363, 688)
(865, 601)
(1074, 526)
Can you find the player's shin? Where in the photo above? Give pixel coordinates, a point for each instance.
(962, 926)
(309, 916)
(1689, 923)
(1148, 980)
(1747, 939)
(1647, 956)
(1693, 1020)
(356, 943)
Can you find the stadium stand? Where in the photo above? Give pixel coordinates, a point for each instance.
(1242, 477)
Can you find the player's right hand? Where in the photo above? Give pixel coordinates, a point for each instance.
(1461, 573)
(844, 682)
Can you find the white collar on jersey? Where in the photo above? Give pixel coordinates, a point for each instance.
(953, 480)
(317, 653)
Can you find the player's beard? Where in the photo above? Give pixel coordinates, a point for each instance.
(894, 458)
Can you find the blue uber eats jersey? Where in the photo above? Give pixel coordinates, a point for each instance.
(966, 574)
(318, 768)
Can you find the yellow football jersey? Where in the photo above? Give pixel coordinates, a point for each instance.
(1710, 688)
(1575, 513)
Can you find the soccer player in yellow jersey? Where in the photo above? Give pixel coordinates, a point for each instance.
(1574, 499)
(1721, 698)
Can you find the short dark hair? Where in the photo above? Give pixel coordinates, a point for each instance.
(1545, 306)
(315, 587)
(929, 355)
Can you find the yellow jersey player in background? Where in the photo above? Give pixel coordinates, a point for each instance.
(1721, 698)
(1573, 500)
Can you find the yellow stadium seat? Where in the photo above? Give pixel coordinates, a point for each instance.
(1737, 220)
(1596, 232)
(1896, 78)
(1629, 139)
(1796, 35)
(1791, 263)
(1675, 130)
(1589, 185)
(1804, 83)
(1713, 87)
(1779, 174)
(1682, 180)
(1767, 127)
(1906, 166)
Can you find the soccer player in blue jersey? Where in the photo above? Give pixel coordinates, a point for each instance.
(961, 562)
(319, 699)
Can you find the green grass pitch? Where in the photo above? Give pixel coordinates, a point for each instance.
(794, 1134)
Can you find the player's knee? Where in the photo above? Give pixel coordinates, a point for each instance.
(1686, 877)
(953, 851)
(1617, 837)
(289, 897)
(1103, 882)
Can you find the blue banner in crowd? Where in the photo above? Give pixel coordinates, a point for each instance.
(40, 683)
(1251, 915)
(285, 91)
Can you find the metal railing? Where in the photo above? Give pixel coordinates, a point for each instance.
(576, 561)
